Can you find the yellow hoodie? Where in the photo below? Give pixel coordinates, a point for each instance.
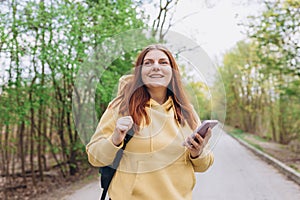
(154, 165)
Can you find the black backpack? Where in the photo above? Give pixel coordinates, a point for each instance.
(108, 172)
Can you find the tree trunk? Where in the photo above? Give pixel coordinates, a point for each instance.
(21, 152)
(32, 135)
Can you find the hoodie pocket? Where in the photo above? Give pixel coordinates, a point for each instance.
(175, 181)
(122, 185)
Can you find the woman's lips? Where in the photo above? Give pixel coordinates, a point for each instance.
(156, 76)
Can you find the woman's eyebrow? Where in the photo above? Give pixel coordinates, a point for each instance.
(150, 59)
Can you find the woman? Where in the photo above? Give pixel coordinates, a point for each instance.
(160, 160)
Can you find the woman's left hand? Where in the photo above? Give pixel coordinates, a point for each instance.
(196, 148)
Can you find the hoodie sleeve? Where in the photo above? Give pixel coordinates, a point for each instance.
(203, 162)
(100, 150)
(206, 159)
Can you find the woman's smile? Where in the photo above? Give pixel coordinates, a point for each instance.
(156, 76)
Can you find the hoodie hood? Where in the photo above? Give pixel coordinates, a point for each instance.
(123, 81)
(166, 105)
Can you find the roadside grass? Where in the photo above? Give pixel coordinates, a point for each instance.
(294, 167)
(237, 133)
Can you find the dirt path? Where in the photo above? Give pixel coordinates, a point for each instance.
(63, 192)
(90, 191)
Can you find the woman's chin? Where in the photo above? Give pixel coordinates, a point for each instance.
(156, 85)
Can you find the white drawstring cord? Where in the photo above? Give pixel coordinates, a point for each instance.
(151, 121)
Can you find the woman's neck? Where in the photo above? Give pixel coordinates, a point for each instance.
(158, 94)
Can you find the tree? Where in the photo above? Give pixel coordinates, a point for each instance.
(244, 86)
(276, 33)
(43, 44)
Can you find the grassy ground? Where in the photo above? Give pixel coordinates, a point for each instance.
(53, 187)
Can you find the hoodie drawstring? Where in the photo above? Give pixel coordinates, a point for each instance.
(179, 127)
(151, 139)
(185, 152)
(180, 130)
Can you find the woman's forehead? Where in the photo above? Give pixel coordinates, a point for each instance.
(155, 54)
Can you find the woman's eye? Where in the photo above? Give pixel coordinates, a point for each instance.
(147, 63)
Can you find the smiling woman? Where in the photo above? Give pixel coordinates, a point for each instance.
(157, 74)
(153, 104)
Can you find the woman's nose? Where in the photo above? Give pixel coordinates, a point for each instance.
(156, 66)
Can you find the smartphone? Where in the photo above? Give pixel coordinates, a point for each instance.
(202, 129)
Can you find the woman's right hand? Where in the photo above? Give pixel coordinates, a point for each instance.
(122, 127)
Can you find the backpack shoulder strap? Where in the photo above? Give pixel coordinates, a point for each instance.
(108, 172)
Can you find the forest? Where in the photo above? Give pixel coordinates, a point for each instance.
(43, 44)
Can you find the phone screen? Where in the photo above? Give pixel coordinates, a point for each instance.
(202, 129)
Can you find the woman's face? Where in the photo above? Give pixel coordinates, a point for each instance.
(156, 69)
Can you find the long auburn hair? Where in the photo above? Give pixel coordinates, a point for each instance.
(134, 97)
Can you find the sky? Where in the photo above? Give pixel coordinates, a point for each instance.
(214, 24)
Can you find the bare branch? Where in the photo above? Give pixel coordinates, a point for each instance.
(160, 21)
(185, 17)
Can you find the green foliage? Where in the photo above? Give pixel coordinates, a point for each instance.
(197, 92)
(45, 43)
(243, 86)
(262, 76)
(200, 97)
(276, 33)
(108, 84)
